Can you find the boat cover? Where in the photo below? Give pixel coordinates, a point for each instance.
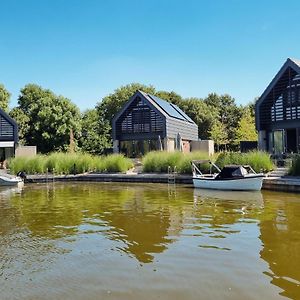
(232, 172)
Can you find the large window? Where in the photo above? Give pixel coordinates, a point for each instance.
(138, 148)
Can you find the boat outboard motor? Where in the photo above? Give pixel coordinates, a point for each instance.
(22, 174)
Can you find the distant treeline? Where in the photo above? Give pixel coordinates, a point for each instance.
(55, 123)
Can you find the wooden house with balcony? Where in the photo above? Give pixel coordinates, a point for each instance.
(277, 112)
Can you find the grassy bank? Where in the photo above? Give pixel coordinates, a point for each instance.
(258, 160)
(158, 162)
(66, 163)
(294, 170)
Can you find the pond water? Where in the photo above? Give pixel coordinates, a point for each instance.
(147, 241)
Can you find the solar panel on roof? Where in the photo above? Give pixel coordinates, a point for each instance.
(183, 113)
(168, 108)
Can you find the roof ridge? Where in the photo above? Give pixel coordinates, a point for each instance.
(178, 110)
(170, 110)
(295, 60)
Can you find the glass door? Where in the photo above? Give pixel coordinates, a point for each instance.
(278, 141)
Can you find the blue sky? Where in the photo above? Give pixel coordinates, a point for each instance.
(85, 49)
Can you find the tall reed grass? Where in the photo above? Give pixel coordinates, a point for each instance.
(260, 161)
(159, 161)
(69, 163)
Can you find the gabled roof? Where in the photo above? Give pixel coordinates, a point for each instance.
(276, 86)
(296, 61)
(292, 63)
(8, 118)
(12, 122)
(167, 109)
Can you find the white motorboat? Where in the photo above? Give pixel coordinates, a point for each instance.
(7, 180)
(232, 177)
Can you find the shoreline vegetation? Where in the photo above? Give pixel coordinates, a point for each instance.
(158, 162)
(70, 163)
(59, 163)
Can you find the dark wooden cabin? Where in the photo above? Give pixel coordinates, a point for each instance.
(8, 136)
(277, 112)
(146, 123)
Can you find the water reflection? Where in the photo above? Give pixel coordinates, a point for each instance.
(280, 235)
(131, 215)
(248, 198)
(7, 212)
(227, 235)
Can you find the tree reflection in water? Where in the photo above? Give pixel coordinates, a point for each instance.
(132, 215)
(42, 223)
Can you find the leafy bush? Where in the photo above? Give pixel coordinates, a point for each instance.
(67, 163)
(260, 161)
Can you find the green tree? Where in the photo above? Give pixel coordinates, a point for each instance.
(23, 123)
(170, 97)
(50, 118)
(218, 134)
(95, 133)
(228, 113)
(4, 98)
(245, 130)
(111, 104)
(203, 115)
(251, 106)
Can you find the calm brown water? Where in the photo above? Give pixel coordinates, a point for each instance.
(114, 241)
